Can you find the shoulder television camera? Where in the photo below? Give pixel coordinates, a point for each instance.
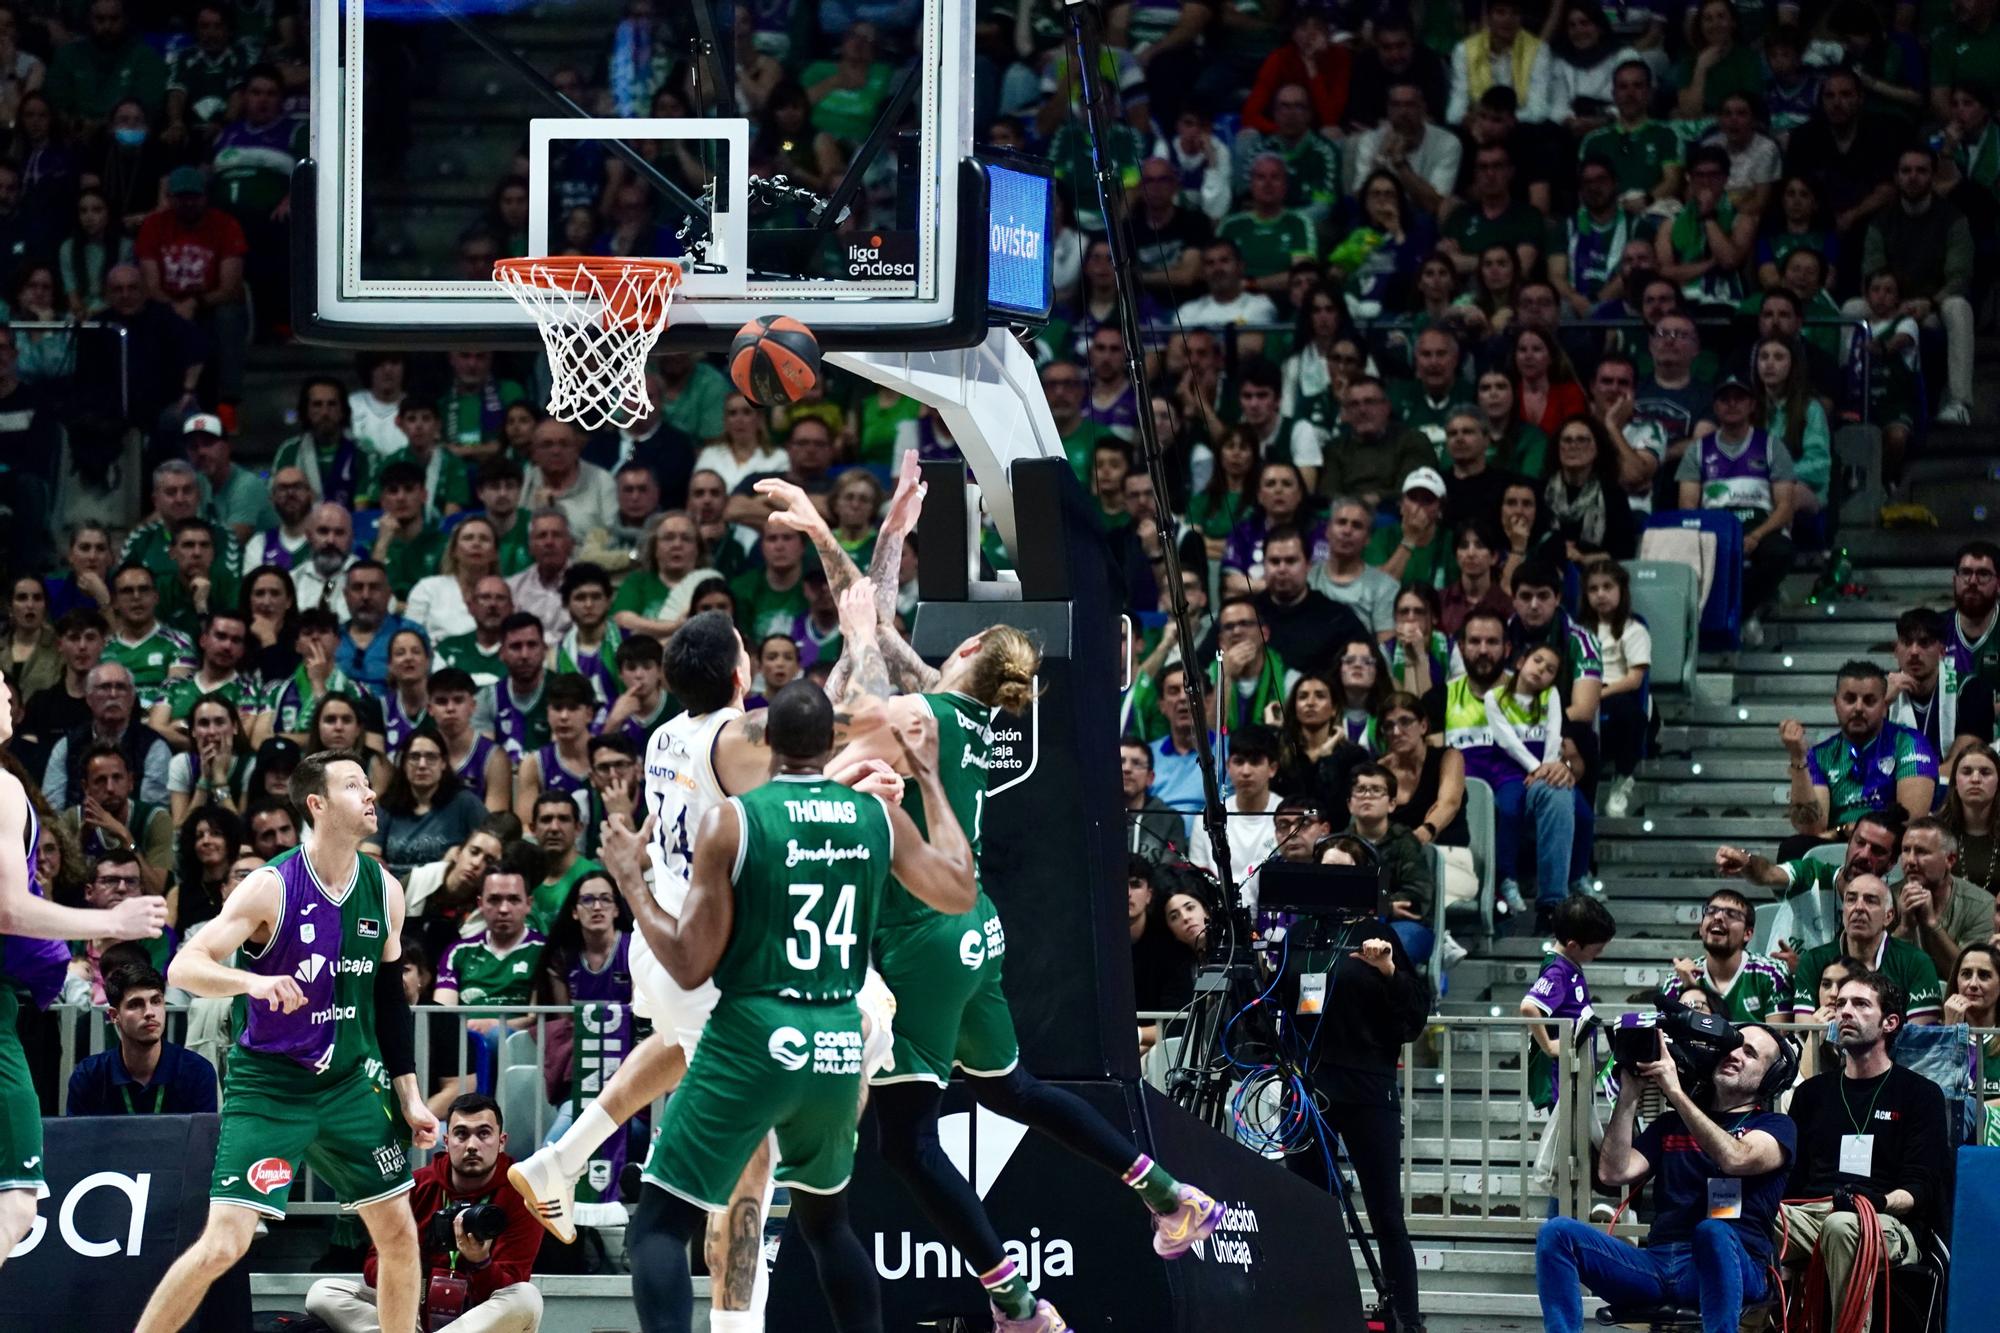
(1696, 1043)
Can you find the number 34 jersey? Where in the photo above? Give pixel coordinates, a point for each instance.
(811, 867)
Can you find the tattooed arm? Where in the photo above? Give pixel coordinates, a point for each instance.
(861, 654)
(885, 571)
(795, 510)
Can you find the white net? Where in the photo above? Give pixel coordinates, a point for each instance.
(599, 320)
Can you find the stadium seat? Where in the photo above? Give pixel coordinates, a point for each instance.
(1664, 595)
(1479, 822)
(1722, 611)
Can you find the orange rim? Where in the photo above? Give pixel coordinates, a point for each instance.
(582, 273)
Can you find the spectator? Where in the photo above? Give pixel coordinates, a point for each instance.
(1345, 577)
(64, 703)
(558, 830)
(447, 484)
(847, 92)
(472, 1170)
(559, 479)
(615, 546)
(1975, 988)
(88, 77)
(426, 810)
(1581, 928)
(363, 653)
(1372, 794)
(1589, 508)
(373, 408)
(1871, 763)
(164, 354)
(1730, 1142)
(499, 493)
(1973, 647)
(1167, 238)
(691, 395)
(480, 762)
(562, 766)
(473, 409)
(1738, 467)
(1584, 60)
(478, 652)
(1499, 54)
(209, 842)
(1414, 549)
(1312, 65)
(1755, 162)
(1938, 910)
(1253, 763)
(1503, 754)
(204, 77)
(252, 168)
(809, 455)
(1494, 122)
(1793, 415)
(148, 650)
(406, 545)
(230, 493)
(1797, 222)
(1493, 216)
(96, 243)
(1476, 550)
(1871, 849)
(321, 581)
(1281, 497)
(441, 603)
(1162, 974)
(1473, 488)
(1710, 240)
(1754, 989)
(1672, 397)
(1395, 57)
(1969, 152)
(1849, 160)
(109, 819)
(1369, 457)
(109, 698)
(216, 767)
(1584, 250)
(1228, 301)
(144, 1074)
(1309, 180)
(537, 590)
(770, 598)
(1901, 1167)
(1927, 243)
(1153, 830)
(1867, 906)
(745, 448)
(1304, 626)
(513, 709)
(1177, 777)
(192, 257)
(1968, 812)
(271, 826)
(498, 964)
(1952, 712)
(196, 582)
(339, 470)
(31, 662)
(1539, 620)
(643, 704)
(1436, 393)
(1625, 654)
(83, 586)
(1423, 157)
(406, 693)
(1719, 65)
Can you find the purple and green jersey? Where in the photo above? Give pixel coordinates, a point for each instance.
(36, 966)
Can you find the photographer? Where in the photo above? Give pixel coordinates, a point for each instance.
(478, 1238)
(1368, 980)
(1718, 1166)
(1872, 1149)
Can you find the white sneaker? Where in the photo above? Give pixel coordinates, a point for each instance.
(1618, 803)
(1954, 413)
(1454, 952)
(1753, 632)
(551, 1195)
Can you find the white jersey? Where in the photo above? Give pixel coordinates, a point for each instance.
(681, 787)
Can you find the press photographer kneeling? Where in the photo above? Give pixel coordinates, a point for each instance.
(1718, 1158)
(478, 1237)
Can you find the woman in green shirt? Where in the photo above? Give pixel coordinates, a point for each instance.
(1722, 65)
(1793, 416)
(874, 421)
(1218, 507)
(857, 499)
(653, 599)
(846, 93)
(1513, 445)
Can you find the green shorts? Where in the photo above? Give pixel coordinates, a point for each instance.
(764, 1064)
(348, 1132)
(20, 1107)
(945, 974)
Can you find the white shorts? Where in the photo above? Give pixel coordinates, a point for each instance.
(675, 1013)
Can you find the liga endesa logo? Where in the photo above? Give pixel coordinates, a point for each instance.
(269, 1173)
(880, 254)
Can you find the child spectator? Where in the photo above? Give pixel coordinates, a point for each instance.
(1625, 648)
(1581, 928)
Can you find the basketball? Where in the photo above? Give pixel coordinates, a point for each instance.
(774, 359)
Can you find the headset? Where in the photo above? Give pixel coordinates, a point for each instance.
(1784, 1070)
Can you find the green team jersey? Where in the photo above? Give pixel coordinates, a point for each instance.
(810, 870)
(150, 659)
(1269, 245)
(463, 651)
(1899, 960)
(1760, 992)
(965, 738)
(482, 974)
(331, 945)
(240, 694)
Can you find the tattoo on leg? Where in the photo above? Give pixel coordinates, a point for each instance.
(745, 1253)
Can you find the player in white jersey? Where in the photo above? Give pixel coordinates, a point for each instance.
(693, 763)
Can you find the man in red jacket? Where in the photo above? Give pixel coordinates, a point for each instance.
(498, 1297)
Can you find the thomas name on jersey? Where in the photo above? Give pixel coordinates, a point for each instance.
(813, 811)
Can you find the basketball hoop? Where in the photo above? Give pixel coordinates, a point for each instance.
(600, 318)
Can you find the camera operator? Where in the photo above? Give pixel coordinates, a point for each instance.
(1718, 1167)
(478, 1237)
(1869, 1130)
(1374, 1003)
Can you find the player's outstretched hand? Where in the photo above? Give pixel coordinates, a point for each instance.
(423, 1125)
(623, 850)
(874, 776)
(908, 501)
(141, 918)
(281, 993)
(794, 508)
(857, 613)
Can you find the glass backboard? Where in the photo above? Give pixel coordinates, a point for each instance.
(794, 160)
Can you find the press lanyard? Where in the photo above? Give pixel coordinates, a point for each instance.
(1858, 1131)
(159, 1099)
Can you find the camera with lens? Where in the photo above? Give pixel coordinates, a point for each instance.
(1696, 1043)
(483, 1222)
